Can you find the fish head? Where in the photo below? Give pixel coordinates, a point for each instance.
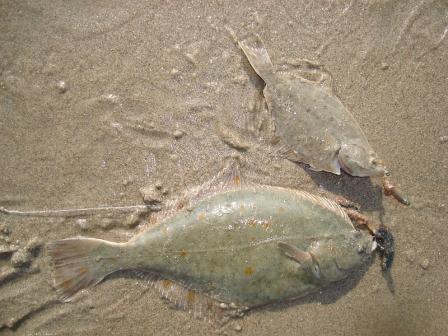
(334, 259)
(358, 160)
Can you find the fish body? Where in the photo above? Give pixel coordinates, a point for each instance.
(312, 121)
(247, 246)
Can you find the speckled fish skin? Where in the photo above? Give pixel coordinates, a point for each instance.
(227, 246)
(311, 120)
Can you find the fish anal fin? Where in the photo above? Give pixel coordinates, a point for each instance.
(197, 304)
(302, 257)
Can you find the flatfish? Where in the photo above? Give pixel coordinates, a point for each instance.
(230, 246)
(313, 123)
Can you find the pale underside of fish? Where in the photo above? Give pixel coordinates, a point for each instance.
(226, 247)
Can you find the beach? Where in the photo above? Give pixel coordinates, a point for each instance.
(106, 104)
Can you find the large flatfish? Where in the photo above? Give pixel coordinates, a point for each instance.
(228, 247)
(312, 121)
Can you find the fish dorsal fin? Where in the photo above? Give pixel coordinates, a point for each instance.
(229, 178)
(195, 303)
(327, 204)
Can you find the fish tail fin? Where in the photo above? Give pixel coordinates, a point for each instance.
(79, 263)
(255, 51)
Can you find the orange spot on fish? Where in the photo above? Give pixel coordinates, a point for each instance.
(167, 284)
(248, 271)
(281, 209)
(183, 253)
(252, 222)
(83, 270)
(191, 296)
(201, 216)
(266, 225)
(66, 284)
(237, 180)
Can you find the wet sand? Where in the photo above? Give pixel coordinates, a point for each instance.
(99, 100)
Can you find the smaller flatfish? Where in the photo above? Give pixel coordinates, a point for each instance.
(313, 123)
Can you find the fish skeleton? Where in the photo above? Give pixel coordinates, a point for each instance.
(234, 245)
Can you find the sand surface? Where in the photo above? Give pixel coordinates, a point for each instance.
(99, 99)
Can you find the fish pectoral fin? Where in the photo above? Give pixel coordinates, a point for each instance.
(298, 255)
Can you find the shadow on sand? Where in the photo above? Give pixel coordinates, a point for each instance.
(361, 190)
